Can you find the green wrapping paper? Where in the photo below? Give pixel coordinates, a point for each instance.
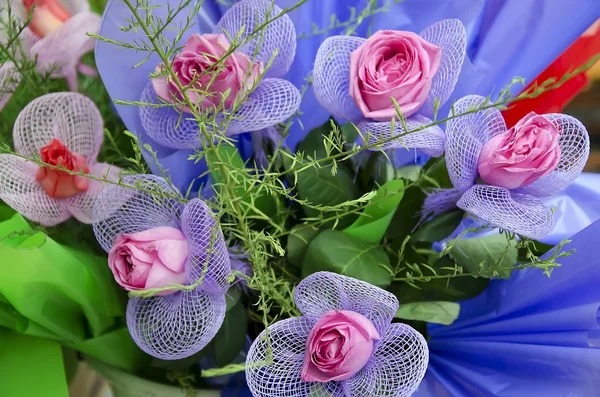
(62, 294)
(31, 366)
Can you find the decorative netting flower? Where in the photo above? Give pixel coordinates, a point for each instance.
(500, 175)
(345, 344)
(214, 87)
(358, 79)
(154, 241)
(55, 37)
(65, 131)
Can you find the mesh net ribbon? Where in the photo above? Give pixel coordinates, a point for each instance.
(178, 325)
(331, 85)
(519, 210)
(272, 102)
(74, 120)
(396, 367)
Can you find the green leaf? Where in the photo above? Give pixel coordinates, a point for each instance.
(436, 170)
(337, 252)
(319, 187)
(407, 215)
(312, 144)
(376, 217)
(231, 159)
(298, 241)
(349, 132)
(230, 339)
(489, 255)
(439, 227)
(230, 156)
(433, 312)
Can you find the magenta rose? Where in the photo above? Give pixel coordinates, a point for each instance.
(152, 258)
(392, 64)
(521, 155)
(338, 346)
(237, 73)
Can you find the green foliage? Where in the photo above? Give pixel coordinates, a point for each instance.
(439, 227)
(492, 256)
(432, 312)
(377, 215)
(337, 252)
(230, 340)
(297, 244)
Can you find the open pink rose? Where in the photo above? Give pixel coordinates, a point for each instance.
(152, 258)
(338, 346)
(392, 64)
(521, 155)
(237, 73)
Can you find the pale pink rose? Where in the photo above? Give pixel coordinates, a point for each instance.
(152, 258)
(392, 64)
(338, 346)
(522, 155)
(200, 53)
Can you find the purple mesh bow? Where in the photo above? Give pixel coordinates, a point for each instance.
(272, 102)
(178, 325)
(59, 53)
(75, 121)
(331, 85)
(518, 210)
(396, 367)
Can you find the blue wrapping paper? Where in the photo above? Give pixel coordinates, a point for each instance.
(530, 335)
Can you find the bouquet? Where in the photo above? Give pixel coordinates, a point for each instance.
(206, 229)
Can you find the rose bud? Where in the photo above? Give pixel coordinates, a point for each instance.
(338, 346)
(392, 64)
(522, 155)
(47, 17)
(58, 183)
(152, 258)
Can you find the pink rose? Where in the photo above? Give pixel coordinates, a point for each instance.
(392, 64)
(521, 155)
(47, 16)
(57, 183)
(237, 73)
(152, 258)
(338, 346)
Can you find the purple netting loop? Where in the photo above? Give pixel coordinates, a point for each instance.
(523, 214)
(466, 135)
(272, 102)
(325, 291)
(175, 326)
(396, 368)
(208, 256)
(574, 145)
(81, 206)
(70, 117)
(121, 209)
(429, 140)
(277, 36)
(281, 376)
(450, 35)
(331, 77)
(61, 51)
(20, 190)
(440, 201)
